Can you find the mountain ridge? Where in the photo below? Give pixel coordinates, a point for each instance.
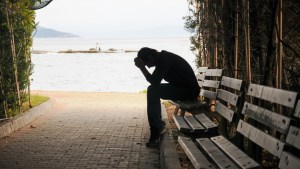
(43, 32)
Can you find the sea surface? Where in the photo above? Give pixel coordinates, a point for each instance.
(97, 72)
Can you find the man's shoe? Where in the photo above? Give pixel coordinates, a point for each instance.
(152, 144)
(154, 137)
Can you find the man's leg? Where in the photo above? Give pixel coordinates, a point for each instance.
(154, 94)
(164, 91)
(154, 107)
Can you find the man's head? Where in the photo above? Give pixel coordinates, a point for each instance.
(148, 56)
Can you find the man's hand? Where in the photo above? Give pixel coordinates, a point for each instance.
(139, 63)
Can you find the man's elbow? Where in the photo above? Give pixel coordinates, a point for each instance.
(153, 82)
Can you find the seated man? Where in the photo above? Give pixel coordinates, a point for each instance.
(182, 84)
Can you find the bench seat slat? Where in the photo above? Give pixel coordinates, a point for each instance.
(228, 97)
(181, 124)
(216, 154)
(190, 104)
(232, 82)
(288, 161)
(279, 96)
(194, 124)
(224, 111)
(293, 137)
(273, 120)
(208, 94)
(194, 154)
(271, 144)
(236, 154)
(206, 122)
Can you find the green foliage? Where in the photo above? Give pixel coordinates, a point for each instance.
(143, 91)
(16, 25)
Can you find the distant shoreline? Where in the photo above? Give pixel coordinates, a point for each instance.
(86, 51)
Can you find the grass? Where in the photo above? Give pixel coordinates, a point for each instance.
(143, 91)
(35, 101)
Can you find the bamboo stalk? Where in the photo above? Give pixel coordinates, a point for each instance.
(248, 44)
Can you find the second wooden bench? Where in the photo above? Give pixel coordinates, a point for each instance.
(270, 128)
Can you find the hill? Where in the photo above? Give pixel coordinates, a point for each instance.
(51, 33)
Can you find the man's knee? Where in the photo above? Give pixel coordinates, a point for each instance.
(153, 90)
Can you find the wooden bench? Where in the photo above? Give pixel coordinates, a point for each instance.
(209, 80)
(290, 156)
(264, 130)
(228, 106)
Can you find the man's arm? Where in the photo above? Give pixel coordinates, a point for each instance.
(141, 65)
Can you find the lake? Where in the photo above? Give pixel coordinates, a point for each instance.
(97, 72)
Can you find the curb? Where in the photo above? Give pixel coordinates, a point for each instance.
(168, 154)
(16, 123)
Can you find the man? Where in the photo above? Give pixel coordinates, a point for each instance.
(182, 84)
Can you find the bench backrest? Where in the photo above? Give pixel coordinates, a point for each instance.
(266, 98)
(290, 157)
(211, 83)
(200, 75)
(229, 97)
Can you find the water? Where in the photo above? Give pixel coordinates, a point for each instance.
(97, 72)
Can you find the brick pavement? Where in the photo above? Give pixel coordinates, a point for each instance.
(84, 130)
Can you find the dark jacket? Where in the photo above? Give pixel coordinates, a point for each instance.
(175, 70)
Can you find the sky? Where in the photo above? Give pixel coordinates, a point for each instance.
(116, 18)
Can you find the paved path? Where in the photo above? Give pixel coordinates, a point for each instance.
(84, 130)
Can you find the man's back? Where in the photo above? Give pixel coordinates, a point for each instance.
(175, 70)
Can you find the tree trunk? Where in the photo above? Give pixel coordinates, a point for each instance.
(4, 102)
(28, 60)
(216, 36)
(280, 49)
(236, 39)
(271, 52)
(198, 31)
(14, 57)
(247, 42)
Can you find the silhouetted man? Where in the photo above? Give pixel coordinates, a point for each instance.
(182, 85)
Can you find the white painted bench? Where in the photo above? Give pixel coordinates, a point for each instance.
(228, 106)
(264, 129)
(209, 80)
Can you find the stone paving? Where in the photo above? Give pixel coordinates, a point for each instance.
(84, 130)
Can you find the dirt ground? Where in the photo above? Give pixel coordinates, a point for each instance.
(185, 162)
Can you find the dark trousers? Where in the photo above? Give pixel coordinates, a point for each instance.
(167, 92)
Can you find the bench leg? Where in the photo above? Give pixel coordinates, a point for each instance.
(176, 110)
(182, 112)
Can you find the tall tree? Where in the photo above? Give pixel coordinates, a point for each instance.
(16, 27)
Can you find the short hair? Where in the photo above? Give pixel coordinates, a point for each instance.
(145, 52)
